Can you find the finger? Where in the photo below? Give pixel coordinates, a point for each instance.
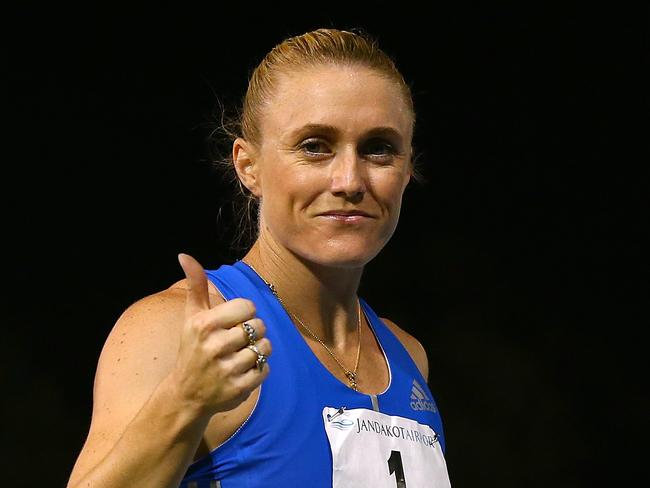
(240, 333)
(246, 358)
(231, 313)
(197, 285)
(223, 342)
(253, 378)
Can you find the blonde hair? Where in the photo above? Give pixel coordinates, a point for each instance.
(316, 48)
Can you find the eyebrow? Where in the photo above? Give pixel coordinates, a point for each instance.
(326, 129)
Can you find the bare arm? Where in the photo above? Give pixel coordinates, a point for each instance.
(170, 363)
(140, 430)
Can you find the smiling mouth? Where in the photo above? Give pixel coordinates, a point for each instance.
(346, 218)
(346, 211)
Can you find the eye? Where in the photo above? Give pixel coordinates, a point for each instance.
(314, 147)
(378, 148)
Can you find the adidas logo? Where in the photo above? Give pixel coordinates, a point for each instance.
(420, 400)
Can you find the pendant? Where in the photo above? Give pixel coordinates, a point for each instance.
(352, 377)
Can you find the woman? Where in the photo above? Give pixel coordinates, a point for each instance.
(186, 389)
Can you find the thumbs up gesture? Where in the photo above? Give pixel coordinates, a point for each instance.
(222, 352)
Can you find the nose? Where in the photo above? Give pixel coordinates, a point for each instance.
(348, 174)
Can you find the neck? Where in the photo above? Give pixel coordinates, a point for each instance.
(323, 297)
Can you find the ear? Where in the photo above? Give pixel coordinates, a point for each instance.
(243, 156)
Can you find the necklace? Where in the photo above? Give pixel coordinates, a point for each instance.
(350, 375)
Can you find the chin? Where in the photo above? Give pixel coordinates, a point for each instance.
(340, 255)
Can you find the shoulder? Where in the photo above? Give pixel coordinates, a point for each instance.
(412, 345)
(142, 344)
(158, 316)
(141, 348)
(159, 312)
(155, 319)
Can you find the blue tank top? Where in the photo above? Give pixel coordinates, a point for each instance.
(283, 442)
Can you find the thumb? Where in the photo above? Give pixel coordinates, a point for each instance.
(197, 284)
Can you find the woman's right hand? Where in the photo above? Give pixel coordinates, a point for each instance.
(214, 370)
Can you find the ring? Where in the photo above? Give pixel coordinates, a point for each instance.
(261, 361)
(250, 332)
(261, 358)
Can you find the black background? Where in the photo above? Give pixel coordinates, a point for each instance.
(517, 265)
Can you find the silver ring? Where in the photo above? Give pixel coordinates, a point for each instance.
(250, 332)
(254, 348)
(261, 361)
(261, 358)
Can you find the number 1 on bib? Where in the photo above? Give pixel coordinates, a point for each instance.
(395, 466)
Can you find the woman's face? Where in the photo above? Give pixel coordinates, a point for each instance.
(333, 138)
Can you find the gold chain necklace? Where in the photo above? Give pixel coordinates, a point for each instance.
(350, 375)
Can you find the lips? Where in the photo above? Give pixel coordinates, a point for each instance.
(346, 213)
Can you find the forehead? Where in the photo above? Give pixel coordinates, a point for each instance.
(353, 99)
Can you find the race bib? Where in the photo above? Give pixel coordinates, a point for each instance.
(372, 449)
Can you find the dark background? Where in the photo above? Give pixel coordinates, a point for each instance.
(518, 265)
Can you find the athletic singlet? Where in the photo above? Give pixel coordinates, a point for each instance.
(284, 441)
